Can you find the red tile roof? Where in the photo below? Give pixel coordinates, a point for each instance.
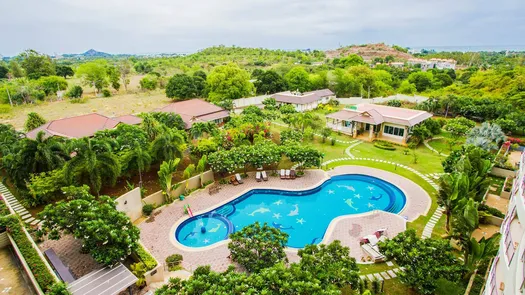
(129, 119)
(195, 110)
(75, 127)
(376, 114)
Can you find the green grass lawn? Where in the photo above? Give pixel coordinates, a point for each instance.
(428, 161)
(395, 287)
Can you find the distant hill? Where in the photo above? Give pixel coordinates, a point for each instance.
(369, 51)
(89, 54)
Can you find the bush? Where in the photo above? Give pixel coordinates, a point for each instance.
(173, 261)
(5, 109)
(442, 122)
(384, 145)
(147, 209)
(149, 82)
(106, 92)
(33, 121)
(491, 210)
(332, 141)
(433, 126)
(75, 92)
(394, 103)
(145, 257)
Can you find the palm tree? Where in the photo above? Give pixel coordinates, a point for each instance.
(90, 166)
(201, 166)
(136, 159)
(453, 188)
(168, 145)
(166, 177)
(150, 125)
(303, 120)
(200, 128)
(188, 172)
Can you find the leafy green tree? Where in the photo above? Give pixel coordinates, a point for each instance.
(229, 82)
(94, 74)
(170, 120)
(204, 146)
(269, 82)
(304, 156)
(290, 136)
(298, 79)
(407, 88)
(106, 233)
(287, 109)
(168, 145)
(143, 67)
(64, 71)
(346, 85)
(75, 92)
(325, 133)
(113, 76)
(166, 171)
(15, 69)
(92, 166)
(181, 87)
(4, 71)
(150, 125)
(125, 68)
(348, 61)
(507, 125)
(136, 158)
(422, 80)
(425, 260)
(33, 121)
(270, 103)
(256, 247)
(199, 79)
(318, 80)
(419, 133)
(149, 82)
(52, 84)
(36, 64)
(441, 80)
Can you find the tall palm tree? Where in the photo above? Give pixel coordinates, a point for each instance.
(136, 159)
(150, 125)
(453, 188)
(201, 128)
(167, 168)
(168, 145)
(92, 167)
(303, 120)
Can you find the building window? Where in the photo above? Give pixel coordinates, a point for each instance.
(394, 131)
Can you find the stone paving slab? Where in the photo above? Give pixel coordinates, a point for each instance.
(391, 274)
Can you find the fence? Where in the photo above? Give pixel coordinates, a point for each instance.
(249, 101)
(402, 97)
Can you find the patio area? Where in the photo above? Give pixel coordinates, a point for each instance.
(158, 235)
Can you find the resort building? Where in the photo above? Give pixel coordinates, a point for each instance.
(434, 63)
(81, 126)
(196, 110)
(304, 101)
(370, 121)
(507, 272)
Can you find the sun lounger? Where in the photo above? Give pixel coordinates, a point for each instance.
(239, 178)
(258, 176)
(233, 180)
(264, 176)
(283, 176)
(287, 174)
(292, 174)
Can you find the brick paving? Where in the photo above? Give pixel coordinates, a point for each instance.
(349, 229)
(68, 250)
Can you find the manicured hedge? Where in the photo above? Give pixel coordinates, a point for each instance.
(38, 267)
(145, 257)
(384, 145)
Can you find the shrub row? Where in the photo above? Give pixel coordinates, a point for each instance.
(145, 257)
(38, 267)
(385, 145)
(491, 210)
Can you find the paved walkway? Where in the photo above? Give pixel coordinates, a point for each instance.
(13, 203)
(384, 275)
(425, 142)
(158, 236)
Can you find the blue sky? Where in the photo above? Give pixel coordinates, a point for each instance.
(131, 26)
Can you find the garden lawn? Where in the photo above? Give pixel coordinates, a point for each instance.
(395, 287)
(428, 161)
(419, 223)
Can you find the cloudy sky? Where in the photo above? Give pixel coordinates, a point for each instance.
(149, 26)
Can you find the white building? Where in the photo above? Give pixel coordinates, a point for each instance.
(433, 63)
(304, 101)
(507, 272)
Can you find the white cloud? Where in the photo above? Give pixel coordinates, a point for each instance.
(187, 25)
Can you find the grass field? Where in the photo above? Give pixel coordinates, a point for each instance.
(111, 106)
(428, 161)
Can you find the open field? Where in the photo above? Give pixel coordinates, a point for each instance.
(110, 106)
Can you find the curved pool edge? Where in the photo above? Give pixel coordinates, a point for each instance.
(329, 231)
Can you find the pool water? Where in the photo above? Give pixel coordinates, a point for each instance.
(304, 215)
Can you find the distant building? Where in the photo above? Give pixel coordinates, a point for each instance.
(81, 126)
(196, 110)
(507, 272)
(433, 63)
(371, 121)
(304, 101)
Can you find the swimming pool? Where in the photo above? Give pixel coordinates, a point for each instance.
(304, 215)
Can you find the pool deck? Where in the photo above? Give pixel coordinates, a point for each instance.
(158, 235)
